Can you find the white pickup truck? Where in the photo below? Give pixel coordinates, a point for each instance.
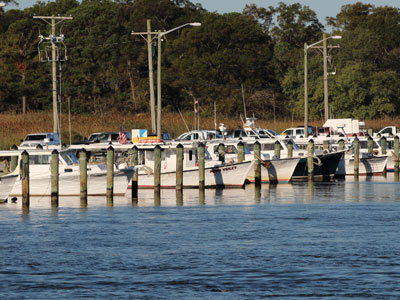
(388, 131)
(40, 140)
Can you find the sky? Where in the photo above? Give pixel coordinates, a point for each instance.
(323, 8)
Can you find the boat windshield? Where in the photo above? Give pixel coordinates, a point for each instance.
(69, 158)
(39, 159)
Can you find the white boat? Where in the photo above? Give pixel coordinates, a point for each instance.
(217, 174)
(69, 175)
(368, 165)
(273, 170)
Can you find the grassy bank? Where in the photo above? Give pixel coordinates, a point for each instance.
(14, 127)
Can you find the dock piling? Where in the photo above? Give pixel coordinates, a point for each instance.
(25, 179)
(179, 167)
(240, 154)
(135, 178)
(396, 155)
(201, 166)
(54, 178)
(157, 167)
(110, 173)
(221, 152)
(356, 157)
(326, 145)
(370, 144)
(310, 159)
(257, 164)
(277, 147)
(383, 145)
(290, 149)
(83, 175)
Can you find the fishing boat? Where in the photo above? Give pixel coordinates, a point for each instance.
(368, 165)
(273, 169)
(217, 174)
(69, 175)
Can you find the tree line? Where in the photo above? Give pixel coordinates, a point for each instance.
(255, 57)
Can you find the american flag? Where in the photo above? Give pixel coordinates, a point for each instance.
(122, 137)
(195, 104)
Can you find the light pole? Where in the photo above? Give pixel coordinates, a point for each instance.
(306, 47)
(160, 35)
(149, 40)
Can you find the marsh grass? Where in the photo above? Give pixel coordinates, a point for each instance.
(14, 127)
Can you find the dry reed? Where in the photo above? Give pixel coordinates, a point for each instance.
(14, 127)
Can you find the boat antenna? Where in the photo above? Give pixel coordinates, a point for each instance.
(244, 102)
(215, 118)
(183, 120)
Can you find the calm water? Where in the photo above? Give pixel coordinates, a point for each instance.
(337, 240)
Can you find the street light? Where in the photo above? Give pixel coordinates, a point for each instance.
(149, 40)
(161, 34)
(306, 47)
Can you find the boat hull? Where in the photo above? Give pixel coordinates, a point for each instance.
(223, 176)
(69, 184)
(324, 167)
(367, 166)
(6, 185)
(275, 171)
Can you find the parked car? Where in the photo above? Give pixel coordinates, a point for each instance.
(103, 137)
(199, 135)
(40, 140)
(297, 132)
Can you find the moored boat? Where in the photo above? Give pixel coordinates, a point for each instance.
(69, 175)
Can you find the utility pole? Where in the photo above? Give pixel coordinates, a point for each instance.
(324, 54)
(54, 59)
(305, 92)
(151, 77)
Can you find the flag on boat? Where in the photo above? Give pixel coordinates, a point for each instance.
(196, 104)
(122, 136)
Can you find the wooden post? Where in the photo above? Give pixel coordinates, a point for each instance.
(134, 161)
(240, 154)
(202, 183)
(341, 145)
(277, 149)
(257, 164)
(356, 157)
(221, 153)
(326, 145)
(110, 173)
(157, 167)
(383, 145)
(83, 175)
(25, 179)
(54, 178)
(396, 155)
(290, 149)
(179, 167)
(370, 143)
(310, 160)
(14, 159)
(179, 198)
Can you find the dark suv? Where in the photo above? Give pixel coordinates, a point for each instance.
(103, 137)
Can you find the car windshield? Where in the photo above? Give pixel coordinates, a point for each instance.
(93, 136)
(35, 137)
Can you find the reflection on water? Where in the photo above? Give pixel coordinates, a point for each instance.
(351, 189)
